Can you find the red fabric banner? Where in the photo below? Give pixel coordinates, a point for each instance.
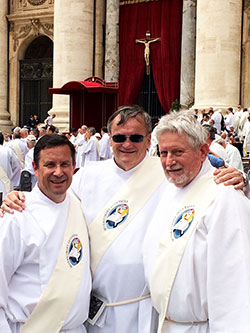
(163, 19)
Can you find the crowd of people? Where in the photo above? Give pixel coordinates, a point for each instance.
(169, 237)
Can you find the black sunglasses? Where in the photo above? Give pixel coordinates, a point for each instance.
(133, 137)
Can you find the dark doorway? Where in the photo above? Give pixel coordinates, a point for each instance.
(148, 98)
(36, 77)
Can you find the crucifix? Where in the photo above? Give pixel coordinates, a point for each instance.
(147, 41)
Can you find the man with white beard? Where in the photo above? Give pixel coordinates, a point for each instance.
(197, 248)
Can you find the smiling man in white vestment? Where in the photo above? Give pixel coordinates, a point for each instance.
(44, 251)
(119, 197)
(197, 248)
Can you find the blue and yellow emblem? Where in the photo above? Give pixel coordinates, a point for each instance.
(183, 222)
(117, 215)
(75, 251)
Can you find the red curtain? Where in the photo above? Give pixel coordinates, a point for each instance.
(163, 19)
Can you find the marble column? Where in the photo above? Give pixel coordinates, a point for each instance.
(5, 123)
(188, 53)
(218, 53)
(73, 51)
(112, 41)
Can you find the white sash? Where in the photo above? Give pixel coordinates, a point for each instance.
(18, 152)
(133, 195)
(5, 179)
(56, 302)
(171, 249)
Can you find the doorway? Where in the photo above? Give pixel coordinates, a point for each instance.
(36, 77)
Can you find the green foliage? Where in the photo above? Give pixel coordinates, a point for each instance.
(175, 106)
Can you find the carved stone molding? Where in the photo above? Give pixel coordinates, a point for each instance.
(35, 28)
(36, 2)
(19, 5)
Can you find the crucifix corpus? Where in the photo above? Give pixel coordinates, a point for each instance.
(147, 41)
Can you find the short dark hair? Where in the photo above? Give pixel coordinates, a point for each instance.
(50, 141)
(211, 130)
(130, 111)
(92, 130)
(104, 129)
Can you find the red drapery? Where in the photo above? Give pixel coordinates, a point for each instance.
(163, 19)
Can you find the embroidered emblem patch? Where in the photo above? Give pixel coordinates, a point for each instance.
(183, 222)
(74, 251)
(116, 215)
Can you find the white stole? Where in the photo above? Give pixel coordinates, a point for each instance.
(56, 302)
(5, 179)
(171, 249)
(18, 152)
(130, 198)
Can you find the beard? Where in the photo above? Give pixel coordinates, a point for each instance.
(181, 180)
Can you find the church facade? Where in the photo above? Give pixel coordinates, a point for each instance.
(194, 51)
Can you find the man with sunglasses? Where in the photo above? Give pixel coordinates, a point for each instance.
(119, 197)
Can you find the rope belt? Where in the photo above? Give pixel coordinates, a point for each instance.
(187, 323)
(129, 301)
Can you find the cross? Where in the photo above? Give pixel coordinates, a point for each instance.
(146, 41)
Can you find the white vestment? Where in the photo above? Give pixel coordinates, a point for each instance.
(29, 167)
(90, 151)
(216, 148)
(80, 142)
(213, 279)
(230, 121)
(233, 157)
(120, 274)
(105, 149)
(246, 144)
(23, 151)
(11, 167)
(242, 122)
(29, 246)
(216, 117)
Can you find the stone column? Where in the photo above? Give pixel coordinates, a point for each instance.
(99, 42)
(112, 41)
(73, 51)
(218, 53)
(5, 123)
(188, 53)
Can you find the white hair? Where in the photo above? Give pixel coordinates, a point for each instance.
(183, 121)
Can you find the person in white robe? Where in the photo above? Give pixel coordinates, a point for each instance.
(204, 287)
(31, 141)
(213, 144)
(28, 256)
(19, 148)
(216, 119)
(105, 149)
(80, 142)
(91, 150)
(233, 155)
(230, 119)
(246, 133)
(120, 277)
(9, 168)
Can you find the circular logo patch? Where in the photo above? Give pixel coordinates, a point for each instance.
(117, 215)
(75, 251)
(183, 222)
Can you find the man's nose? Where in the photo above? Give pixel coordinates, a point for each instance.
(170, 159)
(127, 142)
(58, 171)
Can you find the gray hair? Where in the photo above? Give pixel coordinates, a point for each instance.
(183, 122)
(130, 111)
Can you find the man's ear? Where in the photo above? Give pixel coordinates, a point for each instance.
(35, 168)
(204, 149)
